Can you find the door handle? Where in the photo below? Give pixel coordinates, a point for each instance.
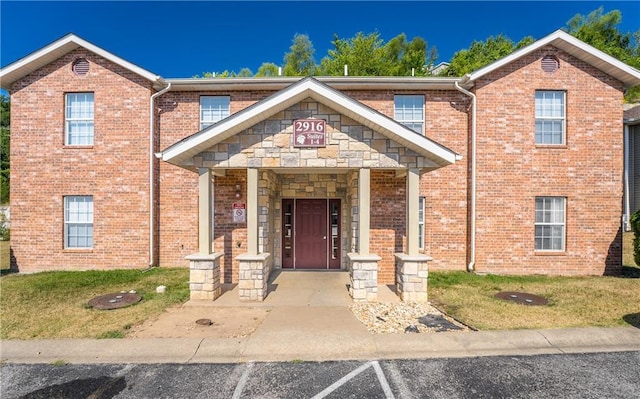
(324, 238)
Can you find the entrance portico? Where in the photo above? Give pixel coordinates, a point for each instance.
(268, 201)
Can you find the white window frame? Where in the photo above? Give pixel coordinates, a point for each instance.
(402, 105)
(216, 111)
(547, 226)
(547, 114)
(78, 218)
(421, 206)
(79, 125)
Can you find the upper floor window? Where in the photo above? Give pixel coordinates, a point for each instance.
(78, 221)
(213, 109)
(78, 119)
(409, 110)
(550, 224)
(550, 117)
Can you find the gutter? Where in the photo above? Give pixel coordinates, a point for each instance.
(472, 244)
(151, 174)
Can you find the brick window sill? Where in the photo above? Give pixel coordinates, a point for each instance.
(550, 253)
(77, 250)
(552, 146)
(77, 147)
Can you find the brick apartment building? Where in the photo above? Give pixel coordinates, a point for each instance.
(516, 168)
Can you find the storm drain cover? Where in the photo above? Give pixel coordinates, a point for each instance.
(115, 301)
(522, 297)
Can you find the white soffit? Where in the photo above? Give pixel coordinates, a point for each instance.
(570, 45)
(57, 49)
(189, 147)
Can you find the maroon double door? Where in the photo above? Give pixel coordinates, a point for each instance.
(311, 234)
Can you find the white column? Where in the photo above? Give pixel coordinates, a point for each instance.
(413, 196)
(252, 211)
(364, 210)
(204, 211)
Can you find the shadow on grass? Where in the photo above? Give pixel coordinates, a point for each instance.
(632, 319)
(630, 272)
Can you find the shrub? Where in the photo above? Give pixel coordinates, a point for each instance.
(635, 226)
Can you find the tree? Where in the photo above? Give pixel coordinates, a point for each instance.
(368, 55)
(480, 54)
(299, 60)
(4, 149)
(601, 31)
(267, 69)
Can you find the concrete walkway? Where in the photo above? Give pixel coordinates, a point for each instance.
(309, 319)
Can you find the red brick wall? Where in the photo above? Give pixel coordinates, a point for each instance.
(512, 170)
(114, 170)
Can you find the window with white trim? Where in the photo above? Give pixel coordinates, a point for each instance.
(78, 126)
(78, 221)
(550, 223)
(213, 109)
(409, 110)
(550, 117)
(421, 202)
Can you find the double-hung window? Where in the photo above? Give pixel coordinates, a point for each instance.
(550, 223)
(409, 110)
(213, 109)
(78, 119)
(550, 117)
(421, 202)
(78, 221)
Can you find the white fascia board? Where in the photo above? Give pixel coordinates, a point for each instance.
(558, 38)
(297, 92)
(55, 50)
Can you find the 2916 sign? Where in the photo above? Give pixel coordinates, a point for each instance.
(309, 133)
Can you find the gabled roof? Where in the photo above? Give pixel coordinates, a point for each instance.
(185, 149)
(570, 45)
(57, 49)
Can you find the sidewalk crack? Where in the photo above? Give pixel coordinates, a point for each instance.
(196, 351)
(551, 344)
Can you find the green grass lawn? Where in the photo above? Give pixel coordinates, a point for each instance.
(54, 304)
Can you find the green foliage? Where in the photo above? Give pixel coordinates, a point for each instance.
(4, 149)
(267, 69)
(482, 53)
(601, 31)
(635, 227)
(5, 231)
(368, 55)
(299, 60)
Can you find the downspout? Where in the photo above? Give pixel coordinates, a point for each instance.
(472, 244)
(627, 207)
(151, 174)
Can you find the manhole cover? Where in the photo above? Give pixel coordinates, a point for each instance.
(522, 297)
(114, 301)
(204, 322)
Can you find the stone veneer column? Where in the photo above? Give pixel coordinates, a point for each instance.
(254, 276)
(204, 276)
(364, 277)
(411, 277)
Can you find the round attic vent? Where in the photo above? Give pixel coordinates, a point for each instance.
(80, 67)
(550, 64)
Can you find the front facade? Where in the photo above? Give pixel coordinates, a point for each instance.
(516, 168)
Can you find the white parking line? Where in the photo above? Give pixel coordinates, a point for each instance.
(383, 381)
(243, 381)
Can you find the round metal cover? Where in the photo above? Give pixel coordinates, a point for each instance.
(204, 322)
(522, 297)
(114, 301)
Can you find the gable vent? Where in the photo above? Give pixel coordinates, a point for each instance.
(550, 64)
(80, 67)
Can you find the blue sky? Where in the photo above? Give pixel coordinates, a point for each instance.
(181, 39)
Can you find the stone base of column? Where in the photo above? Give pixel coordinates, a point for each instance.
(204, 276)
(254, 276)
(411, 277)
(363, 272)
